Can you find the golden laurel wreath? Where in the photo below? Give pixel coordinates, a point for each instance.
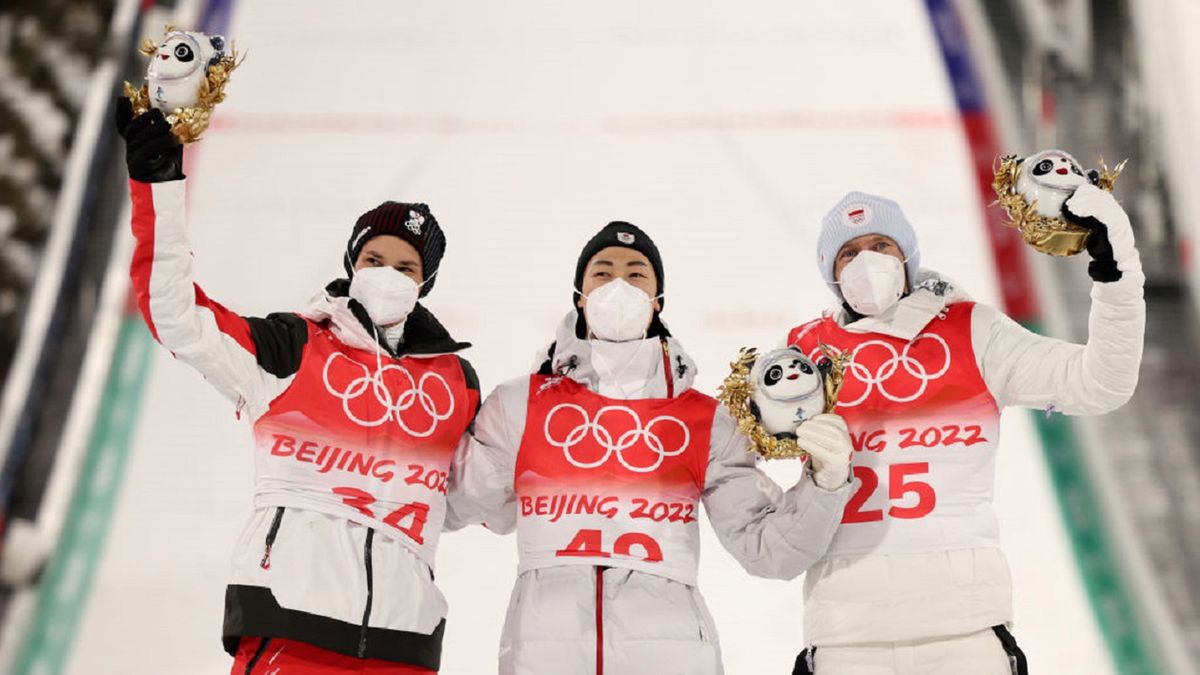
(737, 393)
(188, 123)
(1051, 235)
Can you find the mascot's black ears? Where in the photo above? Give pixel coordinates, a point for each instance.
(218, 44)
(825, 366)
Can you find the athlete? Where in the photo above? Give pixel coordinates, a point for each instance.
(356, 405)
(915, 581)
(600, 460)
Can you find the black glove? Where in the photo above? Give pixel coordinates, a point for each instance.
(1103, 267)
(152, 152)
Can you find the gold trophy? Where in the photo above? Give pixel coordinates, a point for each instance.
(186, 80)
(1032, 191)
(772, 394)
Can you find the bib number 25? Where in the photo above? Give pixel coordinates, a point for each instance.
(902, 482)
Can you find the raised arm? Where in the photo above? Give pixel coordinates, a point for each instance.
(774, 533)
(249, 360)
(1026, 369)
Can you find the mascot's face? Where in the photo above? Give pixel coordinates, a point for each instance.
(179, 66)
(1048, 178)
(788, 389)
(790, 377)
(177, 57)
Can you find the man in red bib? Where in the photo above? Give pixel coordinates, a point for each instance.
(600, 461)
(914, 580)
(356, 403)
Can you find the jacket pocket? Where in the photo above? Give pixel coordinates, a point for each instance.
(700, 613)
(273, 532)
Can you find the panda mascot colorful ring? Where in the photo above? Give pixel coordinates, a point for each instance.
(770, 395)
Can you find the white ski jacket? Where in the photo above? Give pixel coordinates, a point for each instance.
(911, 587)
(349, 478)
(595, 609)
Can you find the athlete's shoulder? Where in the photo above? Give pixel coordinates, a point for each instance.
(809, 328)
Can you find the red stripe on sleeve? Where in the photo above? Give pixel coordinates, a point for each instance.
(142, 222)
(230, 323)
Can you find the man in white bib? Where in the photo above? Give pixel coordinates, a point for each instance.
(914, 580)
(600, 461)
(356, 404)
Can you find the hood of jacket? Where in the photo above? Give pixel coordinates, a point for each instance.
(629, 370)
(932, 293)
(423, 334)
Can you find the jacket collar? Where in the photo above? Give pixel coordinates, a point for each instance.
(906, 319)
(639, 376)
(348, 320)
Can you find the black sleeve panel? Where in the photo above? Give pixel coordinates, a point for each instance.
(469, 373)
(279, 341)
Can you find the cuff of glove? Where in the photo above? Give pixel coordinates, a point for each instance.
(812, 473)
(1104, 271)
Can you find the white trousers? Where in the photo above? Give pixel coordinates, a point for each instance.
(974, 654)
(651, 625)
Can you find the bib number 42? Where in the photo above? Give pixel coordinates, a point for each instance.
(588, 544)
(902, 482)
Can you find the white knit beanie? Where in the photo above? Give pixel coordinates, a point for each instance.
(859, 213)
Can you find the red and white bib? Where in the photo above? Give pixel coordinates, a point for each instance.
(365, 440)
(925, 429)
(614, 482)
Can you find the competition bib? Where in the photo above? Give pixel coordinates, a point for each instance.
(924, 428)
(366, 440)
(613, 482)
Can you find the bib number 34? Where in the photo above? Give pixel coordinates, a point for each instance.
(902, 481)
(409, 518)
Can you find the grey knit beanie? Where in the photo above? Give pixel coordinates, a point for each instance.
(859, 213)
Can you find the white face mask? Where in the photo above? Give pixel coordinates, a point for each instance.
(387, 294)
(872, 282)
(618, 311)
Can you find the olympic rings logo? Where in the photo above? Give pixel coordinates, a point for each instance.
(603, 437)
(394, 404)
(881, 378)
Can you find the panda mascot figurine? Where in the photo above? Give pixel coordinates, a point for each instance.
(788, 388)
(179, 66)
(185, 80)
(1048, 178)
(1032, 189)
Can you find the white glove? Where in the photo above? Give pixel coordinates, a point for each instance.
(827, 440)
(1098, 210)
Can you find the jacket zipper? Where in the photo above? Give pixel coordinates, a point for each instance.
(258, 653)
(698, 614)
(362, 635)
(600, 620)
(667, 370)
(271, 534)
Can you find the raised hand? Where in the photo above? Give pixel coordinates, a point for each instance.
(1111, 243)
(152, 153)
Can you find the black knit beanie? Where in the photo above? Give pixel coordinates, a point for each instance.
(411, 222)
(625, 235)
